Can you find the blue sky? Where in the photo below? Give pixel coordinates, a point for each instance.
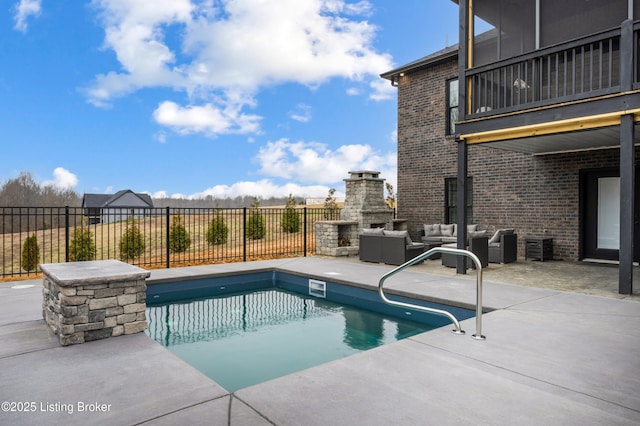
(196, 97)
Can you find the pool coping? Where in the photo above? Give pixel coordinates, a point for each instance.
(549, 356)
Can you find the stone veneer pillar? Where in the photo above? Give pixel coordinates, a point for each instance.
(85, 301)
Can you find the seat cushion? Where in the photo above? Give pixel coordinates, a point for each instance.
(432, 240)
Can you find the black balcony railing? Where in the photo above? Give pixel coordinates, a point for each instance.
(580, 69)
(150, 237)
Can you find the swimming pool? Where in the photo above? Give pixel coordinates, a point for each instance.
(274, 326)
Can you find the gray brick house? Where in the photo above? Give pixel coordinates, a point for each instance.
(540, 136)
(123, 205)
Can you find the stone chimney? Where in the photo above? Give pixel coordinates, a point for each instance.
(364, 201)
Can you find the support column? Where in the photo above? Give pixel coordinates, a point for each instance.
(461, 205)
(627, 164)
(627, 194)
(464, 62)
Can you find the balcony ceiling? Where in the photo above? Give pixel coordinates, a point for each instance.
(585, 140)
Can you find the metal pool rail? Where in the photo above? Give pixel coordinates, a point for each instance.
(459, 252)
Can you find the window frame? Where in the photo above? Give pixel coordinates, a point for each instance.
(450, 128)
(450, 194)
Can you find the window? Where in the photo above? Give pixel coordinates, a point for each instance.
(451, 200)
(452, 106)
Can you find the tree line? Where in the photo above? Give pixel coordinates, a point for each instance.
(24, 191)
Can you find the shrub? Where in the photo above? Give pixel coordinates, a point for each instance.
(290, 221)
(218, 231)
(179, 240)
(81, 246)
(132, 242)
(256, 227)
(30, 253)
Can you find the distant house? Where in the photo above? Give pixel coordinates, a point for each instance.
(105, 208)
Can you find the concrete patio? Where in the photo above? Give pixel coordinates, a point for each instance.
(551, 356)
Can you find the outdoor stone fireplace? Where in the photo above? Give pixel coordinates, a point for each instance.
(364, 207)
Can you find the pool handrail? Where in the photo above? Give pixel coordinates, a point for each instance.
(421, 257)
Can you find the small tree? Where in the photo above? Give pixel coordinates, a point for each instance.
(179, 240)
(218, 231)
(331, 209)
(256, 227)
(390, 201)
(132, 242)
(290, 221)
(82, 246)
(30, 253)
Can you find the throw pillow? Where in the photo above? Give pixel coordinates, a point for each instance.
(446, 230)
(499, 232)
(476, 234)
(432, 230)
(496, 237)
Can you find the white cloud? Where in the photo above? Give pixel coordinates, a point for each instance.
(315, 162)
(382, 90)
(302, 113)
(161, 136)
(265, 188)
(25, 9)
(62, 179)
(207, 119)
(229, 50)
(393, 136)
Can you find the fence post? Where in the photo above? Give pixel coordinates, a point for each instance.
(66, 233)
(244, 234)
(305, 232)
(167, 228)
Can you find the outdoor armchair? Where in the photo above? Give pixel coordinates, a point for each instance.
(503, 247)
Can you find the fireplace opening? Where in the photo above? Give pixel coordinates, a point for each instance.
(344, 235)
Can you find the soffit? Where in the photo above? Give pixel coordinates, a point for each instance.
(584, 140)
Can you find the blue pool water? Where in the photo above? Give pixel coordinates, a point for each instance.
(241, 339)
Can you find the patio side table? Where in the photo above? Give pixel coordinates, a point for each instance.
(538, 249)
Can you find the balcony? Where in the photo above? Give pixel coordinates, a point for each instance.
(584, 68)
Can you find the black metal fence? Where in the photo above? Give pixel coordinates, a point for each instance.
(154, 238)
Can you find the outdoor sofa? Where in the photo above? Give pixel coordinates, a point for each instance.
(502, 247)
(391, 247)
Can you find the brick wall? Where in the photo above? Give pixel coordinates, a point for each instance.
(535, 194)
